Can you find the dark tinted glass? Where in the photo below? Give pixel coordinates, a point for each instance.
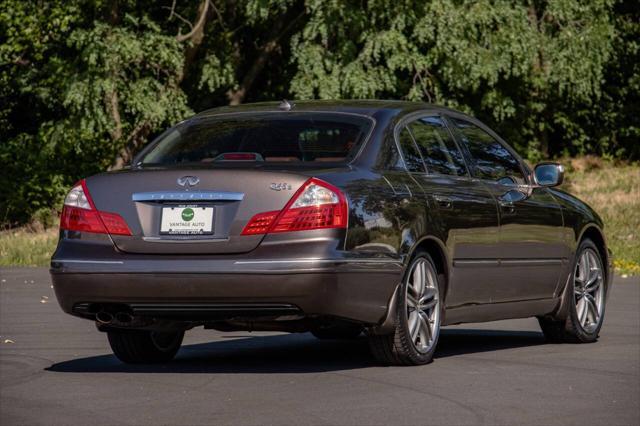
(389, 158)
(412, 158)
(438, 149)
(491, 160)
(286, 137)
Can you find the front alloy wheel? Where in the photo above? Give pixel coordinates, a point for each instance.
(418, 314)
(586, 301)
(588, 290)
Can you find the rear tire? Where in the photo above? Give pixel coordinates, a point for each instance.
(586, 300)
(338, 332)
(145, 347)
(419, 309)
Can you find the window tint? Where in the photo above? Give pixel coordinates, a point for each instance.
(287, 137)
(389, 157)
(491, 160)
(440, 153)
(412, 158)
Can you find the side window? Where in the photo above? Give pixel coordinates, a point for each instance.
(389, 158)
(440, 153)
(492, 161)
(412, 158)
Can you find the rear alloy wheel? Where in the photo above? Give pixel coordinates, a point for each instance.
(145, 347)
(587, 303)
(418, 314)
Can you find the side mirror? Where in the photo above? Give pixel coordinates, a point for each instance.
(549, 174)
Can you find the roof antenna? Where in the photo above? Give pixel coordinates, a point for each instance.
(285, 105)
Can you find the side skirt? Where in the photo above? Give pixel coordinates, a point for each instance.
(500, 311)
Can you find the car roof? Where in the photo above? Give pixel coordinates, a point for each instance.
(364, 107)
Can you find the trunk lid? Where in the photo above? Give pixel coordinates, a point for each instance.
(224, 199)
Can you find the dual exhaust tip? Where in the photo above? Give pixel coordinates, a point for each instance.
(105, 317)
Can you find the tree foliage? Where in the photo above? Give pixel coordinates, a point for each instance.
(85, 83)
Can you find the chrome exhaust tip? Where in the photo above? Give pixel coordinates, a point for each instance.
(104, 317)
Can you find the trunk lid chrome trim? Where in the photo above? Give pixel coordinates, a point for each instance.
(188, 196)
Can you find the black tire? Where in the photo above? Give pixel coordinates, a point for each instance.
(338, 332)
(145, 347)
(398, 348)
(570, 329)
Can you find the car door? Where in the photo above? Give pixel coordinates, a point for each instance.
(532, 251)
(386, 204)
(466, 211)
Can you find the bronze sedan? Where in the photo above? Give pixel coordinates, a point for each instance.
(392, 218)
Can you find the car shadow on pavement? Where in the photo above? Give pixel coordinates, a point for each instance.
(294, 353)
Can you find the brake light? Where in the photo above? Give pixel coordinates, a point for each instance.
(80, 214)
(239, 156)
(316, 205)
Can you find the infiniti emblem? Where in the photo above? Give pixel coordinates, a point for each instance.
(188, 181)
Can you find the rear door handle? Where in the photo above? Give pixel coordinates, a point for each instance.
(443, 202)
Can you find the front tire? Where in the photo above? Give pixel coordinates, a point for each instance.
(586, 300)
(419, 308)
(145, 347)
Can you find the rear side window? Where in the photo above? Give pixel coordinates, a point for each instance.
(412, 158)
(492, 161)
(275, 137)
(389, 157)
(440, 153)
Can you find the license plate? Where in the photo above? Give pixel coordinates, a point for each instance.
(187, 220)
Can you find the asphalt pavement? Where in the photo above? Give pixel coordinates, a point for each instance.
(56, 369)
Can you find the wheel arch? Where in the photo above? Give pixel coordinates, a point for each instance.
(595, 234)
(437, 249)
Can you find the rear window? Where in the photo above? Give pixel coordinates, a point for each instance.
(275, 137)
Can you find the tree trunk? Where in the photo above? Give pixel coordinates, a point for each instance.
(279, 30)
(141, 131)
(196, 36)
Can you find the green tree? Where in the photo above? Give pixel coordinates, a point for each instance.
(85, 83)
(521, 65)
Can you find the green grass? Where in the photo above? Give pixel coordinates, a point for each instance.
(612, 190)
(27, 246)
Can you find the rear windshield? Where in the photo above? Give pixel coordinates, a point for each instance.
(275, 137)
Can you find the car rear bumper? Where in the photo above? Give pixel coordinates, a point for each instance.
(355, 288)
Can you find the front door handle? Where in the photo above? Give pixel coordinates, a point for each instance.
(507, 207)
(443, 202)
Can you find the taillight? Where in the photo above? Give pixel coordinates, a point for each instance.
(260, 223)
(80, 214)
(316, 205)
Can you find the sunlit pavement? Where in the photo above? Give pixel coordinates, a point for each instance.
(56, 369)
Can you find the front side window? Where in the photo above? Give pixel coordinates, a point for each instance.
(440, 153)
(492, 161)
(412, 158)
(276, 137)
